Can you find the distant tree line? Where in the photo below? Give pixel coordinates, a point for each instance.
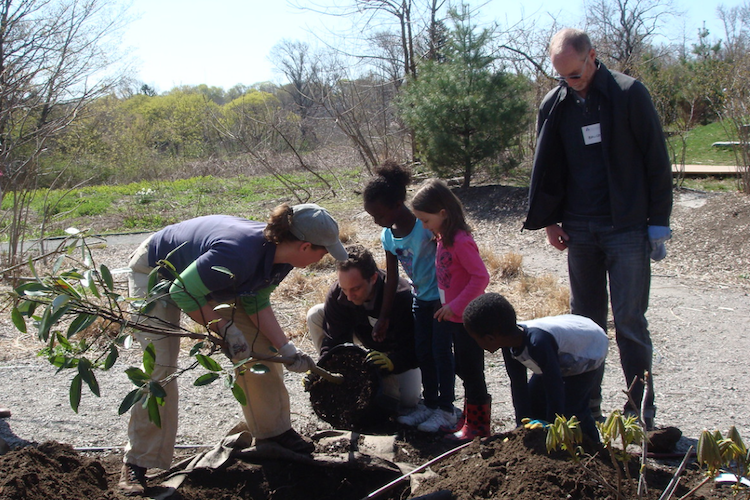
(412, 80)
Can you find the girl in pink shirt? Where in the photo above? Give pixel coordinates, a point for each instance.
(462, 276)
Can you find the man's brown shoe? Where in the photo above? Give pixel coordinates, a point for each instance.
(290, 440)
(4, 412)
(132, 480)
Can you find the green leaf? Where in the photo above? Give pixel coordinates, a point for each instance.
(116, 297)
(88, 260)
(33, 269)
(75, 392)
(50, 318)
(64, 342)
(44, 325)
(137, 376)
(72, 274)
(239, 394)
(149, 358)
(62, 362)
(196, 348)
(87, 374)
(32, 286)
(157, 390)
(131, 399)
(59, 302)
(222, 269)
(58, 263)
(68, 288)
(114, 353)
(18, 321)
(169, 255)
(82, 321)
(153, 410)
(208, 363)
(259, 369)
(27, 308)
(90, 282)
(206, 378)
(127, 341)
(107, 277)
(153, 279)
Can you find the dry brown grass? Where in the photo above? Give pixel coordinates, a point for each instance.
(347, 232)
(531, 296)
(536, 296)
(507, 266)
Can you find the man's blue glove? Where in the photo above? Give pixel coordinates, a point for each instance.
(381, 360)
(657, 235)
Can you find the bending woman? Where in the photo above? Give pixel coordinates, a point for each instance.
(225, 260)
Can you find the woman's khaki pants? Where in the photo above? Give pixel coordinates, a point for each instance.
(267, 411)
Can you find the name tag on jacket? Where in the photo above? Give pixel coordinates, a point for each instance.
(592, 134)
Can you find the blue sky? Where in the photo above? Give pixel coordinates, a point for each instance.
(186, 42)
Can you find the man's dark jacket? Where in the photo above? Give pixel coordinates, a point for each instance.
(344, 320)
(639, 172)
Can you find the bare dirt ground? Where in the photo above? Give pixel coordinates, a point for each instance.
(699, 313)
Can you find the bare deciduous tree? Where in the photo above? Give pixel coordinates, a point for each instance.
(53, 60)
(623, 29)
(299, 65)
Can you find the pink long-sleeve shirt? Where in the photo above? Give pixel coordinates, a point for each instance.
(461, 273)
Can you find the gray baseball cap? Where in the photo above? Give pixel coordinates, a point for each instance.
(313, 223)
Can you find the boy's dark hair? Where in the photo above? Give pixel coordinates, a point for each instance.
(435, 196)
(359, 258)
(490, 314)
(389, 184)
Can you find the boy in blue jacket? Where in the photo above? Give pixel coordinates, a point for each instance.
(563, 353)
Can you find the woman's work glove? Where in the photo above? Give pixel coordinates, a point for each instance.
(381, 360)
(301, 362)
(657, 235)
(237, 347)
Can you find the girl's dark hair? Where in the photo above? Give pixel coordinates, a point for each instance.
(435, 196)
(389, 184)
(278, 230)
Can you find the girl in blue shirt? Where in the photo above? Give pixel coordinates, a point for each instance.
(407, 241)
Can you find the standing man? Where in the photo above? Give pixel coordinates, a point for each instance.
(601, 186)
(352, 308)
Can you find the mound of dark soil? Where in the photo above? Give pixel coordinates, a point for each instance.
(512, 465)
(280, 480)
(52, 470)
(516, 465)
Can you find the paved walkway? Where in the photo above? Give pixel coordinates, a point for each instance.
(707, 169)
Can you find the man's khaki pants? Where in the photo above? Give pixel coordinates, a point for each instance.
(267, 411)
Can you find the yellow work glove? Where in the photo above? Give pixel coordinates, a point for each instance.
(381, 360)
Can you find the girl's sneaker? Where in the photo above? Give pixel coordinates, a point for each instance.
(440, 418)
(413, 419)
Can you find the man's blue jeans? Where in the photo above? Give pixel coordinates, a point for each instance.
(598, 252)
(434, 346)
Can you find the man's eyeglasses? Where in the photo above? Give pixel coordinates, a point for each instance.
(574, 77)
